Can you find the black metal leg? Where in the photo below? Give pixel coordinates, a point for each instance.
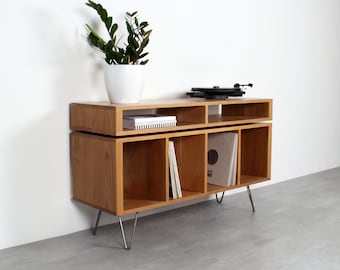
(126, 246)
(221, 199)
(94, 230)
(251, 199)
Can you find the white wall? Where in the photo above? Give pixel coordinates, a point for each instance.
(289, 49)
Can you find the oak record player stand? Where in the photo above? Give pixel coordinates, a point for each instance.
(111, 168)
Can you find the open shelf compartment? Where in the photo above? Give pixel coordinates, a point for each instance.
(144, 173)
(191, 161)
(247, 112)
(255, 155)
(189, 115)
(222, 160)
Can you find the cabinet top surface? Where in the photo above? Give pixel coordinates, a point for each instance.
(176, 102)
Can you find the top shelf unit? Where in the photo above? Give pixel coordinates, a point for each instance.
(107, 119)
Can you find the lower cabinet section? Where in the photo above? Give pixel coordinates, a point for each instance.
(124, 175)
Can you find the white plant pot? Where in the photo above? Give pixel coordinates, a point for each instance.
(124, 83)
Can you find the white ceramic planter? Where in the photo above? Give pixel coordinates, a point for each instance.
(124, 83)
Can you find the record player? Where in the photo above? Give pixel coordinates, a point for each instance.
(219, 93)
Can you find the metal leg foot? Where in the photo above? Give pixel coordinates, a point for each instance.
(94, 230)
(251, 199)
(221, 199)
(126, 246)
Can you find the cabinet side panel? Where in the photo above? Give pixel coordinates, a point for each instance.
(93, 178)
(96, 119)
(269, 154)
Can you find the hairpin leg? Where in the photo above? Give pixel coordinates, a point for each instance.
(221, 199)
(94, 230)
(251, 199)
(127, 247)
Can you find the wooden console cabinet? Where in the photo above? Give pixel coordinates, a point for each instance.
(124, 171)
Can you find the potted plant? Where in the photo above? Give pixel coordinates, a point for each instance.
(125, 61)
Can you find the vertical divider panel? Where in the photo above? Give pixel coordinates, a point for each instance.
(158, 173)
(167, 168)
(191, 158)
(239, 153)
(206, 160)
(206, 115)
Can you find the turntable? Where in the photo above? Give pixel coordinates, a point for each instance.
(219, 93)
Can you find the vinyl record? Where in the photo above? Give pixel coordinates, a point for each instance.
(222, 158)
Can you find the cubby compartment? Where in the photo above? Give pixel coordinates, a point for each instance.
(188, 115)
(144, 173)
(191, 161)
(255, 154)
(222, 160)
(242, 113)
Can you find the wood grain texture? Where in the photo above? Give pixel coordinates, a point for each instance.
(107, 119)
(255, 152)
(186, 115)
(144, 170)
(127, 171)
(251, 110)
(191, 155)
(95, 119)
(93, 170)
(119, 194)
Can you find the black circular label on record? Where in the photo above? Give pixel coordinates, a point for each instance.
(212, 156)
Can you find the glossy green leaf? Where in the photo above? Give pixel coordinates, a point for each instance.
(144, 62)
(144, 24)
(144, 43)
(108, 23)
(131, 14)
(143, 55)
(129, 28)
(113, 30)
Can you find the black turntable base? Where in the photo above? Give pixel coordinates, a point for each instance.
(219, 93)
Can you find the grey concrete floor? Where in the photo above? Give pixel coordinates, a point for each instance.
(296, 226)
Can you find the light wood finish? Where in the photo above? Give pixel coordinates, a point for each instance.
(256, 110)
(254, 153)
(93, 170)
(96, 119)
(106, 119)
(186, 115)
(119, 179)
(144, 170)
(127, 171)
(191, 158)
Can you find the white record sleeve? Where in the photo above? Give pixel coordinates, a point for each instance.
(222, 158)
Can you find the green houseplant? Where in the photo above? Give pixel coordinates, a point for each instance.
(125, 60)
